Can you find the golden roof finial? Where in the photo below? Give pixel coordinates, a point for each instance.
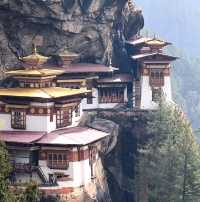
(34, 49)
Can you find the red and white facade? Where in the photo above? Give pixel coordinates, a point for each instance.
(153, 69)
(40, 126)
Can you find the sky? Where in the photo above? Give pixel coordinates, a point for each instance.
(174, 20)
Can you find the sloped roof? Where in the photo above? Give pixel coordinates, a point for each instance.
(73, 136)
(148, 41)
(35, 72)
(146, 55)
(87, 68)
(46, 93)
(117, 78)
(24, 137)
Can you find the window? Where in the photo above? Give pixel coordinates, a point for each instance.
(156, 94)
(157, 77)
(27, 85)
(111, 95)
(57, 161)
(63, 117)
(77, 111)
(18, 119)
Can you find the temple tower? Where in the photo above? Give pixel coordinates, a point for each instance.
(153, 79)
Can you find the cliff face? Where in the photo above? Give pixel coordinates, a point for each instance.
(87, 27)
(119, 163)
(96, 29)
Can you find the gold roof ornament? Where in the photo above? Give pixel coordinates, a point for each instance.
(67, 57)
(111, 68)
(34, 60)
(155, 42)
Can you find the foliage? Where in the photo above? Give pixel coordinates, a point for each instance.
(4, 173)
(168, 165)
(31, 193)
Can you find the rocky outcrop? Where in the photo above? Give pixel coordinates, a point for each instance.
(119, 164)
(87, 27)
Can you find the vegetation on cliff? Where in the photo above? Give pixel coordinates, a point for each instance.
(4, 173)
(168, 165)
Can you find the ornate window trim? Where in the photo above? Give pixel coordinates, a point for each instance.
(63, 117)
(57, 160)
(18, 119)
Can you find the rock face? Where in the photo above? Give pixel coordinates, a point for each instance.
(96, 30)
(119, 164)
(87, 27)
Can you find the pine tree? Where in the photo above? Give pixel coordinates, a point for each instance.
(170, 161)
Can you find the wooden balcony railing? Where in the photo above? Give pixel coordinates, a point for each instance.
(23, 167)
(60, 165)
(111, 99)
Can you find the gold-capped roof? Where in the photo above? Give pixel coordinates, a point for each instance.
(45, 93)
(34, 59)
(155, 42)
(35, 72)
(67, 53)
(148, 41)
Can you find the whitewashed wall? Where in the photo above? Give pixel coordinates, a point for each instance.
(96, 104)
(146, 92)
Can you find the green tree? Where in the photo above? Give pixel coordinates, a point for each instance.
(31, 193)
(169, 163)
(4, 174)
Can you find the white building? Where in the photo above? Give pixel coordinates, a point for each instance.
(153, 69)
(40, 126)
(109, 89)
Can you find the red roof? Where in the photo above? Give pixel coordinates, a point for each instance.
(87, 68)
(117, 78)
(73, 136)
(24, 137)
(146, 55)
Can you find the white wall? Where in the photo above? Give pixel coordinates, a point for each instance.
(79, 171)
(146, 92)
(96, 104)
(36, 123)
(167, 89)
(82, 173)
(33, 123)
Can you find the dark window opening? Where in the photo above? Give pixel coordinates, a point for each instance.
(18, 119)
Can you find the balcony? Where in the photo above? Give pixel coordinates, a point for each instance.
(111, 99)
(60, 165)
(23, 167)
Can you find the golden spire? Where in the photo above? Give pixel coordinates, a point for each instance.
(34, 49)
(35, 59)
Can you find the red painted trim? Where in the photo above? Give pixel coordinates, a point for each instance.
(57, 190)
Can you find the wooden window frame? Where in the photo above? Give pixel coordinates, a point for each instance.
(57, 160)
(111, 95)
(63, 117)
(156, 77)
(18, 119)
(156, 94)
